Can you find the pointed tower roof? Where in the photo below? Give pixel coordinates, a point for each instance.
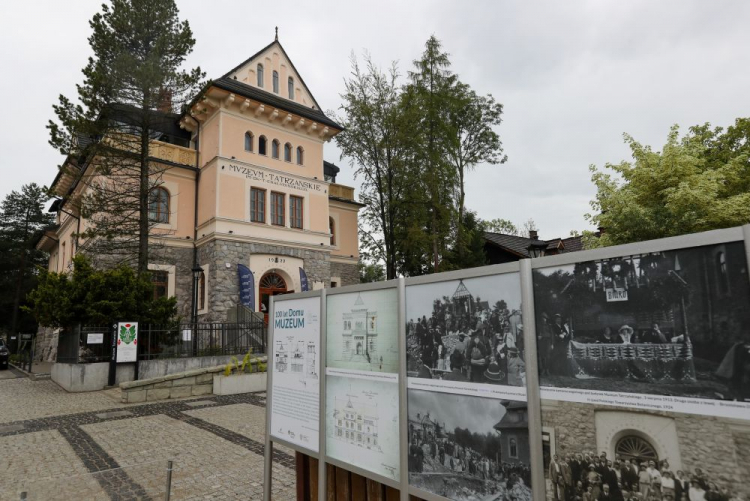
(359, 301)
(461, 291)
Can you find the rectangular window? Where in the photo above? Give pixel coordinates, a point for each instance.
(160, 282)
(257, 205)
(277, 209)
(295, 211)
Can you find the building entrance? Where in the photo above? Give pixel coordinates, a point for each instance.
(271, 284)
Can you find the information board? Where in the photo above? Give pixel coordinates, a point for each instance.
(95, 338)
(127, 342)
(295, 388)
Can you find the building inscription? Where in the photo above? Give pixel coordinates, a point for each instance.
(276, 179)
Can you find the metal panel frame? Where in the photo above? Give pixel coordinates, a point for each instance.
(269, 442)
(664, 244)
(524, 268)
(353, 289)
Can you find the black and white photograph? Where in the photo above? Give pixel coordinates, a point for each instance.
(469, 448)
(466, 330)
(594, 453)
(672, 323)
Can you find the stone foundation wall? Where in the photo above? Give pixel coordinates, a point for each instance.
(45, 348)
(223, 290)
(349, 273)
(184, 384)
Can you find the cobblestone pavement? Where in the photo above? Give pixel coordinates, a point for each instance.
(59, 445)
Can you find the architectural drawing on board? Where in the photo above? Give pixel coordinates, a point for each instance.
(356, 423)
(281, 358)
(312, 372)
(360, 334)
(298, 358)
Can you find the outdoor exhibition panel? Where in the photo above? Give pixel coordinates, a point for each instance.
(644, 367)
(468, 428)
(621, 370)
(362, 391)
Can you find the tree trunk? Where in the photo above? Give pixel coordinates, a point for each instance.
(143, 194)
(21, 272)
(460, 226)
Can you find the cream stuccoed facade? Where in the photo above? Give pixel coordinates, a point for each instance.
(246, 183)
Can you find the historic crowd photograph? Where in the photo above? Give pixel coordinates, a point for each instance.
(469, 448)
(593, 453)
(466, 330)
(669, 323)
(363, 331)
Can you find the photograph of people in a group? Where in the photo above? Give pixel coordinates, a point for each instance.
(469, 448)
(466, 330)
(669, 323)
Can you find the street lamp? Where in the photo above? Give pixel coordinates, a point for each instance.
(536, 248)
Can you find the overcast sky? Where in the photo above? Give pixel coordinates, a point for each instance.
(573, 76)
(477, 414)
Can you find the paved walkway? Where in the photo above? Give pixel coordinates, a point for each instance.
(59, 445)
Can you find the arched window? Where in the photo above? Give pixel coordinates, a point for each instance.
(275, 82)
(262, 145)
(248, 141)
(288, 152)
(291, 88)
(513, 448)
(300, 155)
(260, 75)
(636, 449)
(332, 227)
(158, 205)
(275, 148)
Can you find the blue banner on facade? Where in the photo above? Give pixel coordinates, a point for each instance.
(247, 286)
(303, 280)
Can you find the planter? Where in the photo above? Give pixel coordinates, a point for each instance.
(240, 383)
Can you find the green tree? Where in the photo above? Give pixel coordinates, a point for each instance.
(695, 183)
(471, 141)
(22, 218)
(469, 253)
(374, 139)
(499, 225)
(131, 82)
(92, 296)
(427, 99)
(371, 272)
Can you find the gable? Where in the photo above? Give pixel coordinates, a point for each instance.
(274, 58)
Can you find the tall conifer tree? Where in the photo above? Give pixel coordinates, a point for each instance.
(131, 83)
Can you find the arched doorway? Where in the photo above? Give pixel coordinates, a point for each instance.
(271, 284)
(636, 449)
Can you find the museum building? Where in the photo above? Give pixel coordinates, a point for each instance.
(244, 182)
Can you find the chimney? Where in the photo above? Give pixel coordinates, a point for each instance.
(533, 235)
(165, 100)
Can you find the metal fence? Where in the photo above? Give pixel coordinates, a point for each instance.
(89, 344)
(201, 340)
(83, 344)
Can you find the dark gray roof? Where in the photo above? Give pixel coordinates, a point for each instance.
(512, 243)
(520, 245)
(248, 91)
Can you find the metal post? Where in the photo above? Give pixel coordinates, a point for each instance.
(403, 424)
(322, 356)
(533, 399)
(113, 360)
(169, 481)
(268, 451)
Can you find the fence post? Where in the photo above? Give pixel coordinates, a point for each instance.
(169, 481)
(113, 360)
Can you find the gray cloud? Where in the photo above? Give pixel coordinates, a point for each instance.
(573, 76)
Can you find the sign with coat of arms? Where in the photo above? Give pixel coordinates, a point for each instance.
(127, 342)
